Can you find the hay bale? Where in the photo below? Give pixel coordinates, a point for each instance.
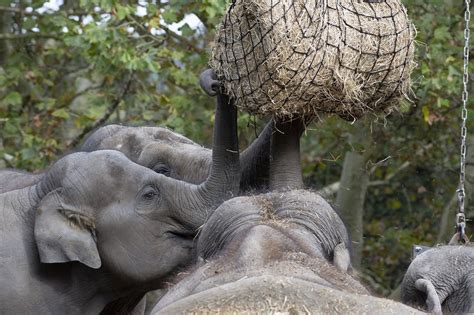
(300, 57)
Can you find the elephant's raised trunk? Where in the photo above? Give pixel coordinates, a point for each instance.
(285, 165)
(194, 203)
(224, 177)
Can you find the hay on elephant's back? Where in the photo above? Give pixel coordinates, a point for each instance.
(298, 57)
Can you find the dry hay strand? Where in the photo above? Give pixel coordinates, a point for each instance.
(300, 57)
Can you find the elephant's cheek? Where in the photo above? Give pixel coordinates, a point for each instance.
(126, 247)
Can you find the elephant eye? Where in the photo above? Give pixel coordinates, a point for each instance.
(161, 169)
(149, 194)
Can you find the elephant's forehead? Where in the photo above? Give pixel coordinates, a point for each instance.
(133, 136)
(100, 178)
(132, 140)
(105, 168)
(303, 217)
(174, 153)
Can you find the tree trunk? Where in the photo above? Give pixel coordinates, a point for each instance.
(5, 23)
(350, 200)
(5, 18)
(353, 188)
(469, 185)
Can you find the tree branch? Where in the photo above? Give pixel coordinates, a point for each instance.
(20, 11)
(17, 11)
(110, 110)
(182, 39)
(189, 45)
(27, 35)
(331, 189)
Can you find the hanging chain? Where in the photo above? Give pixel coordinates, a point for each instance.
(460, 217)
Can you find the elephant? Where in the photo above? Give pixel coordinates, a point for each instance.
(283, 251)
(98, 227)
(441, 279)
(176, 156)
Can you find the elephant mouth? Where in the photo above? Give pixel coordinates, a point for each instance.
(186, 236)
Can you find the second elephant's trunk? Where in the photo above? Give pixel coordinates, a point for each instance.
(285, 165)
(224, 177)
(194, 203)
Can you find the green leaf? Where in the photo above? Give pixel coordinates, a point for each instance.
(3, 80)
(154, 22)
(442, 33)
(28, 153)
(13, 98)
(148, 115)
(94, 112)
(187, 31)
(46, 104)
(29, 23)
(177, 55)
(58, 20)
(154, 67)
(123, 11)
(394, 204)
(76, 41)
(170, 16)
(426, 113)
(60, 113)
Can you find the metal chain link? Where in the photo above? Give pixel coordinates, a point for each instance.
(460, 217)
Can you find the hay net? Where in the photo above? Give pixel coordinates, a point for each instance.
(300, 57)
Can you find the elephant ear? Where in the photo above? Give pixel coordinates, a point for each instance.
(63, 233)
(342, 257)
(433, 303)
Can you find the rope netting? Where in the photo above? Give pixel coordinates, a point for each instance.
(300, 57)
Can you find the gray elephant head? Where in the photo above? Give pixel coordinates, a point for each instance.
(441, 279)
(156, 148)
(301, 216)
(107, 212)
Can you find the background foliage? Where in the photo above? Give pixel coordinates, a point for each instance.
(66, 70)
